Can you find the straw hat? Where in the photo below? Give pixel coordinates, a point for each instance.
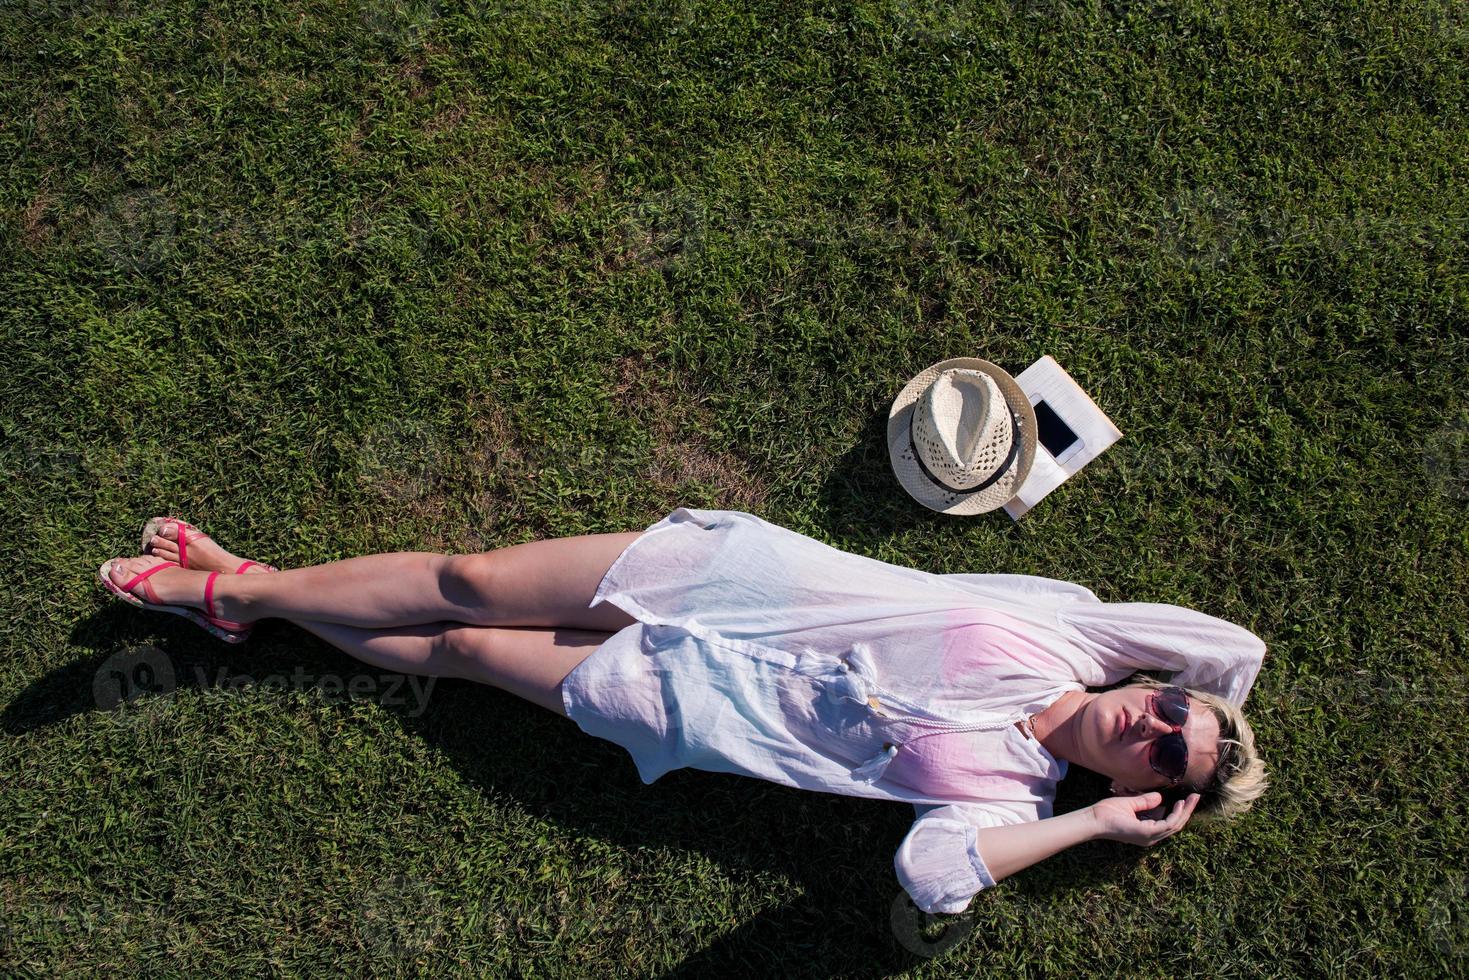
(961, 436)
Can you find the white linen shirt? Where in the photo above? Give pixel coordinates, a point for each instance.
(764, 652)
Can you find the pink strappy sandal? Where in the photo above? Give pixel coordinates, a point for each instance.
(224, 629)
(156, 524)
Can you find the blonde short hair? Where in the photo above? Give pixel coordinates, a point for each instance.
(1239, 777)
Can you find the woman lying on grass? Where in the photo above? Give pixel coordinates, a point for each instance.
(715, 640)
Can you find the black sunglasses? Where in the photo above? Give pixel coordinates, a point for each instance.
(1169, 754)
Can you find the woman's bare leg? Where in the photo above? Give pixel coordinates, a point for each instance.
(530, 663)
(545, 583)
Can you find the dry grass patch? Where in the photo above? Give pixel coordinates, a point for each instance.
(681, 454)
(35, 230)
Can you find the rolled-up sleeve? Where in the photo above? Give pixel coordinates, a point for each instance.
(939, 864)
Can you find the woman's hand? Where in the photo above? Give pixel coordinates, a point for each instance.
(1130, 818)
(1007, 849)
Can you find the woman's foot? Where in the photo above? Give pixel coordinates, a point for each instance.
(174, 586)
(204, 553)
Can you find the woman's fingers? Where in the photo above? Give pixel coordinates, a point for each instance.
(1173, 822)
(1152, 822)
(1182, 810)
(1145, 801)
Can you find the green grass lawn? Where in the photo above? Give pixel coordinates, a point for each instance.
(343, 276)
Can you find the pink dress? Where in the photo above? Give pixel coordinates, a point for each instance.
(764, 652)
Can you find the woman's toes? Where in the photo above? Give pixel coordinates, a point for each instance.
(204, 553)
(171, 585)
(125, 568)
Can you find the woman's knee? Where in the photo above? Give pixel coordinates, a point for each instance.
(474, 582)
(455, 651)
(490, 655)
(530, 663)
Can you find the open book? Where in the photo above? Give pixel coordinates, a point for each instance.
(1073, 431)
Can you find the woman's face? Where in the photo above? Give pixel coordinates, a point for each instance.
(1119, 727)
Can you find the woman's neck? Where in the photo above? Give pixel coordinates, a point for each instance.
(1055, 727)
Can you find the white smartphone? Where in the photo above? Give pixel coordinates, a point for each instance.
(1060, 440)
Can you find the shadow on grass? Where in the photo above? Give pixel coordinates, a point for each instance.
(861, 498)
(835, 852)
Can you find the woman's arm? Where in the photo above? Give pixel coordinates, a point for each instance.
(1006, 850)
(954, 852)
(1196, 650)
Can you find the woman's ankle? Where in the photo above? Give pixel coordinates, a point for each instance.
(237, 598)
